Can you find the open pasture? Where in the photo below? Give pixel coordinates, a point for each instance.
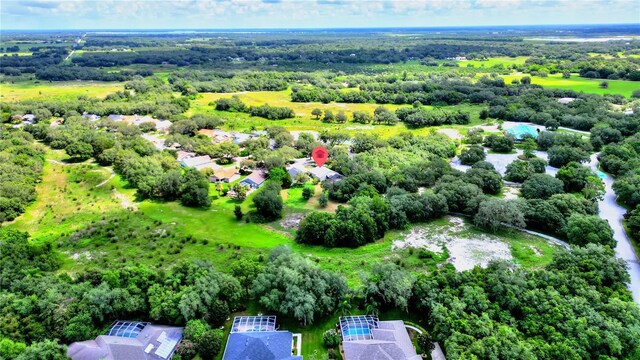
(63, 90)
(592, 86)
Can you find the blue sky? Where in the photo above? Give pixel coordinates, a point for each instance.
(211, 14)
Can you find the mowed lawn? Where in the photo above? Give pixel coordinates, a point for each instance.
(592, 86)
(62, 90)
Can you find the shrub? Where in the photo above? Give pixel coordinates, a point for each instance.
(331, 338)
(472, 155)
(307, 192)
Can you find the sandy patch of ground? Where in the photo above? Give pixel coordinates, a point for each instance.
(124, 200)
(359, 127)
(292, 221)
(452, 133)
(296, 134)
(535, 250)
(511, 192)
(85, 254)
(419, 238)
(464, 252)
(457, 223)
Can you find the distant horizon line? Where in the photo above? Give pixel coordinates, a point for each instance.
(335, 28)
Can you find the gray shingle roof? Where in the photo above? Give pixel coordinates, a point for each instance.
(107, 347)
(390, 342)
(324, 173)
(274, 345)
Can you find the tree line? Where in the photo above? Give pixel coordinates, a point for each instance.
(20, 171)
(530, 313)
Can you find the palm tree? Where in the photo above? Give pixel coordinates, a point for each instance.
(371, 307)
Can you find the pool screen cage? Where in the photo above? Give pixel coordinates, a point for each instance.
(358, 327)
(253, 323)
(130, 329)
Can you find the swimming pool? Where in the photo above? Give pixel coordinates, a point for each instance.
(359, 327)
(520, 131)
(357, 331)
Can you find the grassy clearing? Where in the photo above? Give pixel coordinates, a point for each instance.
(304, 120)
(63, 90)
(22, 53)
(160, 233)
(592, 86)
(494, 61)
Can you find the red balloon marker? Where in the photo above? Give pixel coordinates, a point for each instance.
(320, 155)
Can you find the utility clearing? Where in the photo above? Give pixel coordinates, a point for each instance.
(466, 246)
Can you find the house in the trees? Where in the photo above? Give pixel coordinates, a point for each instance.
(239, 138)
(566, 100)
(217, 136)
(91, 117)
(181, 155)
(225, 174)
(365, 337)
(163, 125)
(200, 162)
(257, 338)
(255, 179)
(323, 173)
(127, 340)
(115, 117)
(28, 118)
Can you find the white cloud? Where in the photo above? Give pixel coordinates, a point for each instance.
(307, 13)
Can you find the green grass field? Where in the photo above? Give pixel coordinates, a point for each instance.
(69, 200)
(592, 86)
(304, 120)
(495, 61)
(64, 90)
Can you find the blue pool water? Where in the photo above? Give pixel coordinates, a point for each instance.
(354, 331)
(519, 131)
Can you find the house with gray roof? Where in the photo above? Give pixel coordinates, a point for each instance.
(28, 118)
(255, 179)
(200, 162)
(128, 340)
(295, 170)
(91, 117)
(239, 138)
(256, 338)
(566, 100)
(366, 338)
(323, 173)
(115, 117)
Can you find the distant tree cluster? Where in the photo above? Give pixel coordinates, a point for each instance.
(265, 111)
(20, 171)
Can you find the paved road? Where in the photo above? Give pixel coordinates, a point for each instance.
(613, 213)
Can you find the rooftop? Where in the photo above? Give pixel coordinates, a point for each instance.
(127, 340)
(256, 338)
(196, 161)
(256, 177)
(566, 100)
(323, 173)
(367, 338)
